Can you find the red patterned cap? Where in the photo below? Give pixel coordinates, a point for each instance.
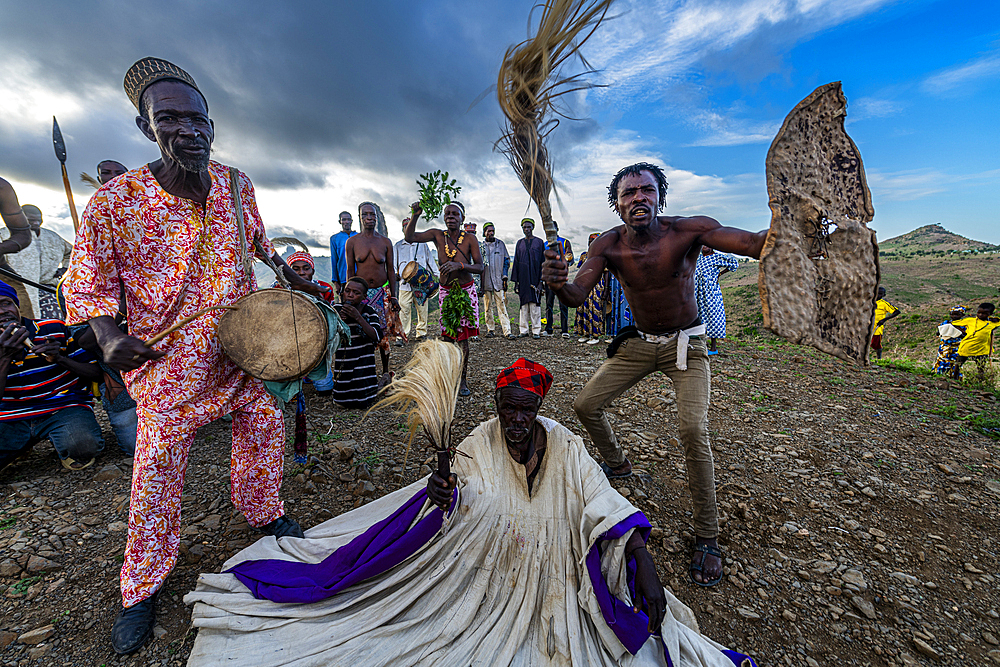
(301, 256)
(527, 375)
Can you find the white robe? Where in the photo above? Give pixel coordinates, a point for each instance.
(505, 584)
(39, 261)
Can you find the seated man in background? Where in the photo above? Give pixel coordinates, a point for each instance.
(44, 393)
(303, 264)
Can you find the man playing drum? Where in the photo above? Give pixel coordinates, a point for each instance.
(171, 233)
(458, 253)
(369, 256)
(654, 257)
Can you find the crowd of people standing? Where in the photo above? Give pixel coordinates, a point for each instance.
(167, 357)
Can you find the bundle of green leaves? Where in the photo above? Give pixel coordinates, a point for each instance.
(436, 192)
(454, 307)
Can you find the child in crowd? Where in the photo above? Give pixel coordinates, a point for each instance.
(355, 378)
(884, 311)
(951, 336)
(978, 341)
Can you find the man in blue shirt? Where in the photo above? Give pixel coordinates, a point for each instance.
(44, 388)
(338, 251)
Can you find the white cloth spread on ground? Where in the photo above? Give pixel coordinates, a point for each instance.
(505, 583)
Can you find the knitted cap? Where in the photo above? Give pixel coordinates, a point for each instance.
(149, 70)
(301, 256)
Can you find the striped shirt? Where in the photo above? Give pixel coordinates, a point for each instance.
(355, 378)
(36, 386)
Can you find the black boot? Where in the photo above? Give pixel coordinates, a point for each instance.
(282, 527)
(134, 626)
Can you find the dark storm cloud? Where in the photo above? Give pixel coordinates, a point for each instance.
(291, 86)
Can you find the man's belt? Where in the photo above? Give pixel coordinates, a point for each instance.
(10, 274)
(683, 337)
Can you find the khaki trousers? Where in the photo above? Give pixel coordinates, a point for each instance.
(531, 313)
(635, 360)
(496, 301)
(405, 299)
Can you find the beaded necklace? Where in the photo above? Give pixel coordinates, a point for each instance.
(447, 250)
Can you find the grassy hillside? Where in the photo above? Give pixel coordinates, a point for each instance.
(923, 287)
(932, 240)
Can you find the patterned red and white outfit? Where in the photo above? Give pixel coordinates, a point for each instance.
(174, 257)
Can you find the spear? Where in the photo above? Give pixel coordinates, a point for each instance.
(60, 146)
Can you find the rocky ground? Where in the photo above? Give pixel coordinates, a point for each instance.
(859, 509)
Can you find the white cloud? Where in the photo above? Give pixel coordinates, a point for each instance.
(727, 130)
(651, 44)
(946, 81)
(864, 108)
(917, 183)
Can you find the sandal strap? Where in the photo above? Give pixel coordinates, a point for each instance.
(709, 550)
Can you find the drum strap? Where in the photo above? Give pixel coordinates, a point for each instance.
(234, 189)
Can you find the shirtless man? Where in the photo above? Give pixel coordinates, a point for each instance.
(654, 258)
(458, 254)
(369, 256)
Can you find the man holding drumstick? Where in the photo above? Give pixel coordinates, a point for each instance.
(170, 231)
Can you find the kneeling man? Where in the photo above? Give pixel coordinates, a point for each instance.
(525, 556)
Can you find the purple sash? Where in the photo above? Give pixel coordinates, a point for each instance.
(380, 548)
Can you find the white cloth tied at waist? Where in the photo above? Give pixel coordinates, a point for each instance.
(683, 338)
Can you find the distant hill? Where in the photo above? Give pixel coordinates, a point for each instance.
(931, 239)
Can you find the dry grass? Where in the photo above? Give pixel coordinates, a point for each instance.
(529, 86)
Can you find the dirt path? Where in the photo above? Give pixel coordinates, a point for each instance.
(860, 510)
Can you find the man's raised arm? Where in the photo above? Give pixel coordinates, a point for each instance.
(555, 273)
(93, 292)
(352, 267)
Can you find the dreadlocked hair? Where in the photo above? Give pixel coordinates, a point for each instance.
(635, 170)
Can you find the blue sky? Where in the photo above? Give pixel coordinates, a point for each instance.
(325, 105)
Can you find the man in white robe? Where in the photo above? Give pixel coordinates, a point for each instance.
(537, 561)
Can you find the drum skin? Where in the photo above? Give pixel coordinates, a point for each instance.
(409, 270)
(276, 335)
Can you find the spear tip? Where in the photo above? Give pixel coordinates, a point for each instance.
(57, 141)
